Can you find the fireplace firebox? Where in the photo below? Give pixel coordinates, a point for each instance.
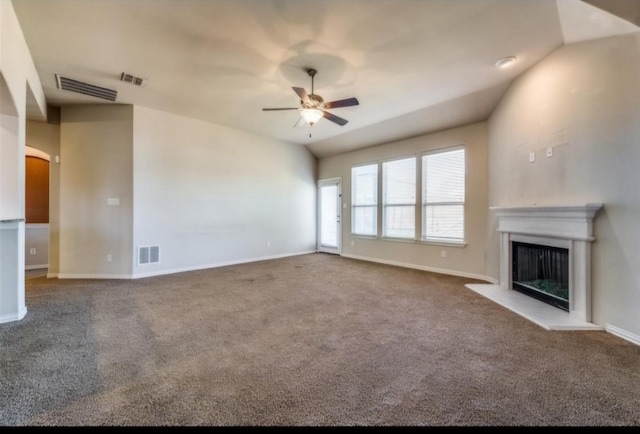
(541, 272)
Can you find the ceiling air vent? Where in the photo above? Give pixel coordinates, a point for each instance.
(66, 83)
(128, 78)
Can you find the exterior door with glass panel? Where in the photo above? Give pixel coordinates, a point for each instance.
(329, 216)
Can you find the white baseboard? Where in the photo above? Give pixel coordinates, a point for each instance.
(634, 339)
(13, 316)
(216, 265)
(36, 267)
(424, 268)
(92, 276)
(52, 275)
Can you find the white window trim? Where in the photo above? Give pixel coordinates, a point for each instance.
(384, 205)
(423, 239)
(353, 205)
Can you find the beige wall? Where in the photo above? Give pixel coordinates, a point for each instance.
(210, 195)
(256, 196)
(468, 260)
(96, 164)
(588, 92)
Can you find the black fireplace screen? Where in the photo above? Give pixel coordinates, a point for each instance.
(541, 272)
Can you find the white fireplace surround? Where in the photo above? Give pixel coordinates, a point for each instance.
(565, 226)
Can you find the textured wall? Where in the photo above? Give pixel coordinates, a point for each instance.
(582, 101)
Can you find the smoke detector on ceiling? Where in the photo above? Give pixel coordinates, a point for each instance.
(505, 61)
(128, 78)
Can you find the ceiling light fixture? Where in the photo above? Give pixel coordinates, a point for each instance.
(311, 115)
(505, 61)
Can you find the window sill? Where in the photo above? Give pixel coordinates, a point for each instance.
(399, 240)
(364, 237)
(444, 243)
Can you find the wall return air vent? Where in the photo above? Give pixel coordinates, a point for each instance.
(73, 85)
(148, 255)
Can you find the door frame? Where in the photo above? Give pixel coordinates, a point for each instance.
(319, 247)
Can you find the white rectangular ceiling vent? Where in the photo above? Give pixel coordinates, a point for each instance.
(128, 78)
(70, 84)
(148, 255)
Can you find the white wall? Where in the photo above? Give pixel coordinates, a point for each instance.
(11, 189)
(17, 74)
(465, 261)
(590, 93)
(209, 195)
(96, 164)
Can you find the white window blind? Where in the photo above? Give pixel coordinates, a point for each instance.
(443, 178)
(399, 198)
(364, 199)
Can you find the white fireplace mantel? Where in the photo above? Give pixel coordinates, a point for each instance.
(571, 222)
(566, 226)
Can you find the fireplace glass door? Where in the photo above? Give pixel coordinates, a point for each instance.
(541, 272)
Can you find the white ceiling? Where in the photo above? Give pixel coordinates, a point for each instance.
(416, 66)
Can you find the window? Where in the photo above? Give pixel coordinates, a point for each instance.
(399, 198)
(364, 185)
(443, 178)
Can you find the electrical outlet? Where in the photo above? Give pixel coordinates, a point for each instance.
(32, 251)
(353, 243)
(443, 253)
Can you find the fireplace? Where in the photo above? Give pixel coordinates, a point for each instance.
(545, 253)
(541, 272)
(565, 227)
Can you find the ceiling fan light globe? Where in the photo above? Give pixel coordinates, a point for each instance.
(311, 116)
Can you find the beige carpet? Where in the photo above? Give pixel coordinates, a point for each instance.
(302, 341)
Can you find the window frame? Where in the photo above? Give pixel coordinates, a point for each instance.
(383, 205)
(443, 241)
(375, 206)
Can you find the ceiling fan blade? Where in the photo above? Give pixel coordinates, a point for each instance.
(301, 93)
(333, 118)
(280, 108)
(341, 103)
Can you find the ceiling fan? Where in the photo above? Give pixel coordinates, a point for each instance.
(313, 108)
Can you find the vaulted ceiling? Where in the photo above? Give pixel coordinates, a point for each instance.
(416, 66)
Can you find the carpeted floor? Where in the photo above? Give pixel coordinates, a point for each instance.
(38, 272)
(302, 341)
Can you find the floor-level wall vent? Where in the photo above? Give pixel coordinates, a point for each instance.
(148, 255)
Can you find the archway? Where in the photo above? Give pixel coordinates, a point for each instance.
(12, 298)
(36, 212)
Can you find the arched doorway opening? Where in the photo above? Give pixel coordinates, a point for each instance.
(36, 212)
(12, 299)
